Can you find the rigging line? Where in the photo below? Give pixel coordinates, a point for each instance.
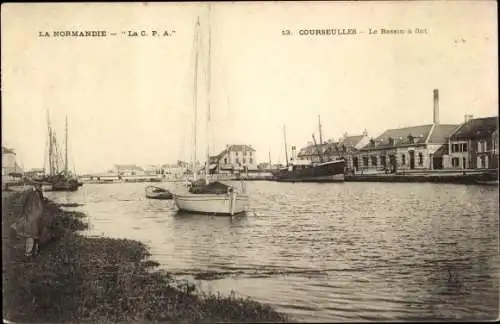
(209, 95)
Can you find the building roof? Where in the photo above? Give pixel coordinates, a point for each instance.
(234, 147)
(441, 133)
(400, 137)
(240, 148)
(352, 141)
(128, 167)
(476, 128)
(7, 150)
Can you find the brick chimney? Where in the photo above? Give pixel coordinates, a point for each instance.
(436, 107)
(467, 117)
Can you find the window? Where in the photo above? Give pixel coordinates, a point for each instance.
(481, 146)
(455, 162)
(365, 161)
(245, 154)
(251, 161)
(374, 160)
(237, 161)
(420, 159)
(225, 160)
(482, 163)
(250, 153)
(382, 160)
(244, 160)
(463, 147)
(236, 153)
(403, 159)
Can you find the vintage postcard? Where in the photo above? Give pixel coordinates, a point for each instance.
(250, 161)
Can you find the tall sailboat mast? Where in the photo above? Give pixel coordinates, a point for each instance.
(51, 147)
(66, 149)
(286, 148)
(320, 131)
(209, 82)
(195, 98)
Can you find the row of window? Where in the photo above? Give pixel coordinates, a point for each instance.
(462, 147)
(237, 160)
(482, 162)
(244, 153)
(383, 161)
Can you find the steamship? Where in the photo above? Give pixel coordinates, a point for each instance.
(308, 171)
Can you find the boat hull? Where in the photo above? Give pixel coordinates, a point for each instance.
(153, 192)
(65, 186)
(212, 204)
(327, 172)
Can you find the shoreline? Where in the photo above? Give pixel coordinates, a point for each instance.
(77, 278)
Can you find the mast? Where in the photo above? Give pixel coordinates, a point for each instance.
(286, 150)
(66, 149)
(269, 158)
(317, 149)
(195, 99)
(207, 165)
(51, 147)
(320, 133)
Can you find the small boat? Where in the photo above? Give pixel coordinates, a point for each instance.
(214, 198)
(153, 192)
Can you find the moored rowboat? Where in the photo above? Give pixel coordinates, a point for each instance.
(153, 192)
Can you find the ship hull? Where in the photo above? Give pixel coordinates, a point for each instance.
(212, 204)
(326, 172)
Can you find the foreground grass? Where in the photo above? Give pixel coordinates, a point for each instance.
(77, 278)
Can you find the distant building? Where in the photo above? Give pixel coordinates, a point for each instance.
(408, 148)
(127, 170)
(234, 158)
(10, 169)
(475, 144)
(346, 147)
(152, 169)
(176, 170)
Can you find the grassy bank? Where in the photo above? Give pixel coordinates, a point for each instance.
(77, 278)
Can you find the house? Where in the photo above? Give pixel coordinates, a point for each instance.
(176, 170)
(151, 169)
(475, 144)
(346, 147)
(10, 169)
(423, 147)
(234, 158)
(127, 170)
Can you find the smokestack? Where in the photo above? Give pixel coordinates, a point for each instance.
(436, 107)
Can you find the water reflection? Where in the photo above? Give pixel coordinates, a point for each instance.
(348, 251)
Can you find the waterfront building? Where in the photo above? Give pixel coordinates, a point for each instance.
(128, 170)
(475, 144)
(174, 170)
(346, 147)
(10, 168)
(234, 158)
(152, 169)
(422, 147)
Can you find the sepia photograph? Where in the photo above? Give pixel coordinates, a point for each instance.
(257, 162)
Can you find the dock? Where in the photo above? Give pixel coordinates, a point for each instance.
(435, 176)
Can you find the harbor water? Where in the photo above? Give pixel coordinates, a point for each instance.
(324, 252)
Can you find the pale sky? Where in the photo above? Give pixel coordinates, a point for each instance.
(129, 100)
